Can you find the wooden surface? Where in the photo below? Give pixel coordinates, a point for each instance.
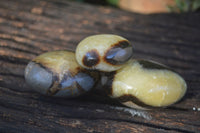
(31, 27)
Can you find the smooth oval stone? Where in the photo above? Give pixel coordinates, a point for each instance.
(143, 84)
(58, 74)
(104, 52)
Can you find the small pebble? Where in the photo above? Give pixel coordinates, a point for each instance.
(104, 52)
(135, 85)
(57, 73)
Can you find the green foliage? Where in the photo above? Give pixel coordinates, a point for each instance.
(185, 6)
(196, 5)
(113, 2)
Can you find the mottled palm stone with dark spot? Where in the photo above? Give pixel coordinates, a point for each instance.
(104, 52)
(58, 74)
(144, 84)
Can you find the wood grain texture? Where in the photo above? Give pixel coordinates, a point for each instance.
(31, 27)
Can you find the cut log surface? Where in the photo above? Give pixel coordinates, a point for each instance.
(31, 27)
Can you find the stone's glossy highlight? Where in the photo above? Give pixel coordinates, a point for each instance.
(104, 52)
(142, 83)
(58, 74)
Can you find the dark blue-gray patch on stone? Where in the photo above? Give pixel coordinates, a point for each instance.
(122, 55)
(85, 81)
(118, 55)
(67, 81)
(68, 87)
(38, 78)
